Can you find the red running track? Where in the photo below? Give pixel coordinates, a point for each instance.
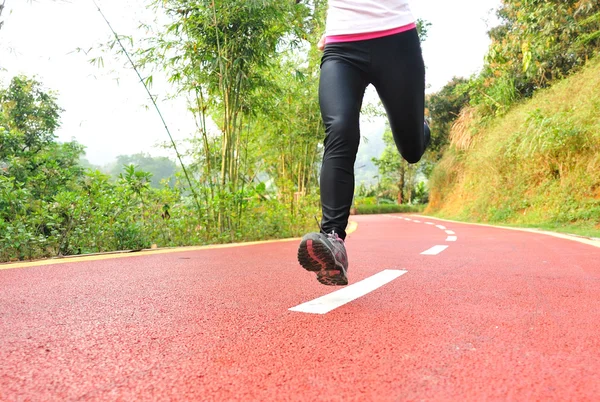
(498, 315)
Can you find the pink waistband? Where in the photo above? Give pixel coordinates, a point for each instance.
(368, 35)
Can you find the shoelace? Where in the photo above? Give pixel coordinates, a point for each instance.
(319, 224)
(332, 235)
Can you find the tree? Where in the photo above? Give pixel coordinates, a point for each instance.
(395, 171)
(444, 108)
(290, 129)
(29, 117)
(161, 168)
(35, 168)
(220, 52)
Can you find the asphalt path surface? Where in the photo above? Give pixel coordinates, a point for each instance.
(435, 311)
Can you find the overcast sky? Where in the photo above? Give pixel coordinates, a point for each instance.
(106, 109)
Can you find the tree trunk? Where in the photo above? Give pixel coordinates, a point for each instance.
(401, 184)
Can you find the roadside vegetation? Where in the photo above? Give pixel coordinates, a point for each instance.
(51, 206)
(246, 66)
(538, 166)
(524, 146)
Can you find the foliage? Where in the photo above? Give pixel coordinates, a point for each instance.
(397, 177)
(537, 43)
(444, 108)
(290, 127)
(538, 165)
(388, 209)
(28, 151)
(51, 206)
(229, 57)
(29, 117)
(162, 168)
(532, 163)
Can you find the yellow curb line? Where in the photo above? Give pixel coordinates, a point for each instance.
(352, 226)
(584, 240)
(126, 254)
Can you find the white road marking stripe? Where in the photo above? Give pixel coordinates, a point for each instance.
(417, 221)
(450, 232)
(440, 227)
(451, 238)
(435, 250)
(429, 223)
(325, 304)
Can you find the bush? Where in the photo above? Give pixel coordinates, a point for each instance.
(388, 209)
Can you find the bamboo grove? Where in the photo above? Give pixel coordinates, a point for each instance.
(246, 67)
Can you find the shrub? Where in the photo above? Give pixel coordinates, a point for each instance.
(388, 209)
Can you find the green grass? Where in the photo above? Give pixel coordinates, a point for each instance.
(584, 229)
(537, 167)
(581, 229)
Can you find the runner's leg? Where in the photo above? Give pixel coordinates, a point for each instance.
(398, 74)
(341, 90)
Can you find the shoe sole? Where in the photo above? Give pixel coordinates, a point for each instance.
(315, 256)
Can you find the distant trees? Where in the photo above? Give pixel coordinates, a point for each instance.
(397, 177)
(161, 168)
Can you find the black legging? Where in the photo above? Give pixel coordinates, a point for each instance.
(394, 65)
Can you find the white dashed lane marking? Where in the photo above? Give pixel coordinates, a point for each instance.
(327, 303)
(435, 250)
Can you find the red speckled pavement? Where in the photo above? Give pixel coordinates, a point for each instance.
(497, 315)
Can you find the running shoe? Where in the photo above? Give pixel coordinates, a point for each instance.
(325, 254)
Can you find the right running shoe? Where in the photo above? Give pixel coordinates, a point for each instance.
(326, 256)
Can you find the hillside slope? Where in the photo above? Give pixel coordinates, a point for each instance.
(537, 166)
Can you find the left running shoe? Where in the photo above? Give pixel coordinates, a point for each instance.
(325, 255)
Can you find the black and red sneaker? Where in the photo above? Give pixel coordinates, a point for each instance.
(325, 255)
